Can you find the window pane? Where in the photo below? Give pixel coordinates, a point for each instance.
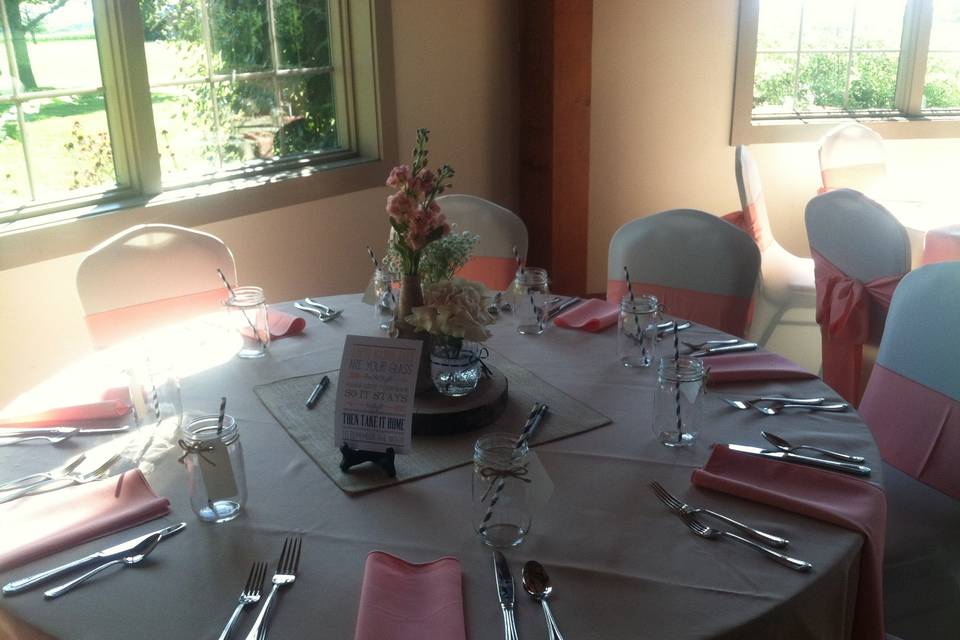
(63, 148)
(847, 55)
(303, 33)
(942, 87)
(245, 111)
(240, 34)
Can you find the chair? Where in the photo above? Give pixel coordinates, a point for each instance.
(699, 267)
(852, 157)
(500, 230)
(786, 280)
(860, 252)
(148, 276)
(941, 244)
(912, 406)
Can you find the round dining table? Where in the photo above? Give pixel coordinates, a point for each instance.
(621, 564)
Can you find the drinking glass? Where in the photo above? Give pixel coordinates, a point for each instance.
(386, 290)
(677, 401)
(214, 461)
(531, 293)
(501, 502)
(248, 312)
(637, 330)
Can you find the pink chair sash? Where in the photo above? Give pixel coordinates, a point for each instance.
(916, 428)
(724, 312)
(752, 225)
(494, 273)
(846, 309)
(115, 325)
(942, 245)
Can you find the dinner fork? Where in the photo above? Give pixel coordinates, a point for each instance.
(50, 439)
(249, 595)
(683, 509)
(710, 533)
(285, 575)
(44, 475)
(73, 478)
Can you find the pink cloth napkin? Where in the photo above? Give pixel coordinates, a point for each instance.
(37, 525)
(105, 410)
(590, 315)
(760, 365)
(281, 325)
(833, 497)
(404, 601)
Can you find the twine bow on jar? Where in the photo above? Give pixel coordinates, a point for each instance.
(198, 448)
(491, 474)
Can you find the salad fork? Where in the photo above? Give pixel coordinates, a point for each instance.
(72, 478)
(710, 533)
(683, 509)
(44, 475)
(285, 575)
(250, 595)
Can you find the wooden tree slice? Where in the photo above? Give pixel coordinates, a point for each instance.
(438, 415)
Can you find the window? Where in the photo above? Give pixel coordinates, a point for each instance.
(107, 100)
(802, 65)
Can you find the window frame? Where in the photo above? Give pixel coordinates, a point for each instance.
(908, 121)
(366, 97)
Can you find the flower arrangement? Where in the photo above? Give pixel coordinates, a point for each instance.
(440, 259)
(455, 309)
(414, 215)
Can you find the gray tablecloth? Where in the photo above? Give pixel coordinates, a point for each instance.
(623, 567)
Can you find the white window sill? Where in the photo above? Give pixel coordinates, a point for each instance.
(71, 231)
(811, 130)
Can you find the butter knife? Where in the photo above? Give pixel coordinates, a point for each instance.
(506, 594)
(727, 348)
(110, 553)
(846, 467)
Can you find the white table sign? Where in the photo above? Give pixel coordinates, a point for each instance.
(378, 380)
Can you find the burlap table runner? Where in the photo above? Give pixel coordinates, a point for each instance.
(313, 429)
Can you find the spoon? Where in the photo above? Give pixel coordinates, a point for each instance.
(774, 408)
(783, 445)
(537, 584)
(321, 315)
(132, 557)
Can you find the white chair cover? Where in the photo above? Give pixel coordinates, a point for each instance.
(852, 157)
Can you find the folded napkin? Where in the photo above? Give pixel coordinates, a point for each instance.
(104, 410)
(37, 525)
(589, 315)
(754, 365)
(281, 325)
(816, 493)
(404, 601)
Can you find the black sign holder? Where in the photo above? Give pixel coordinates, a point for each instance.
(352, 457)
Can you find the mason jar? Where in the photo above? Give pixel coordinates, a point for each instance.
(248, 312)
(501, 501)
(386, 290)
(637, 330)
(454, 365)
(214, 461)
(531, 293)
(677, 402)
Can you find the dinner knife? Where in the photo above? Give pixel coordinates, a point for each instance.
(847, 467)
(60, 431)
(506, 594)
(727, 348)
(110, 553)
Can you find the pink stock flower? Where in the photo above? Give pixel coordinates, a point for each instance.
(399, 176)
(399, 206)
(425, 181)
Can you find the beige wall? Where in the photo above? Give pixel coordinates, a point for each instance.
(660, 126)
(455, 74)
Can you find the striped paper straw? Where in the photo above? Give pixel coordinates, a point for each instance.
(676, 363)
(376, 263)
(223, 408)
(629, 286)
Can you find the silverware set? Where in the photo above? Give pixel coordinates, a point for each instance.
(777, 454)
(322, 311)
(285, 575)
(67, 475)
(52, 435)
(127, 553)
(686, 513)
(536, 583)
(774, 405)
(712, 348)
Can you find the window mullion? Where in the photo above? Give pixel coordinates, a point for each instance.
(915, 44)
(123, 64)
